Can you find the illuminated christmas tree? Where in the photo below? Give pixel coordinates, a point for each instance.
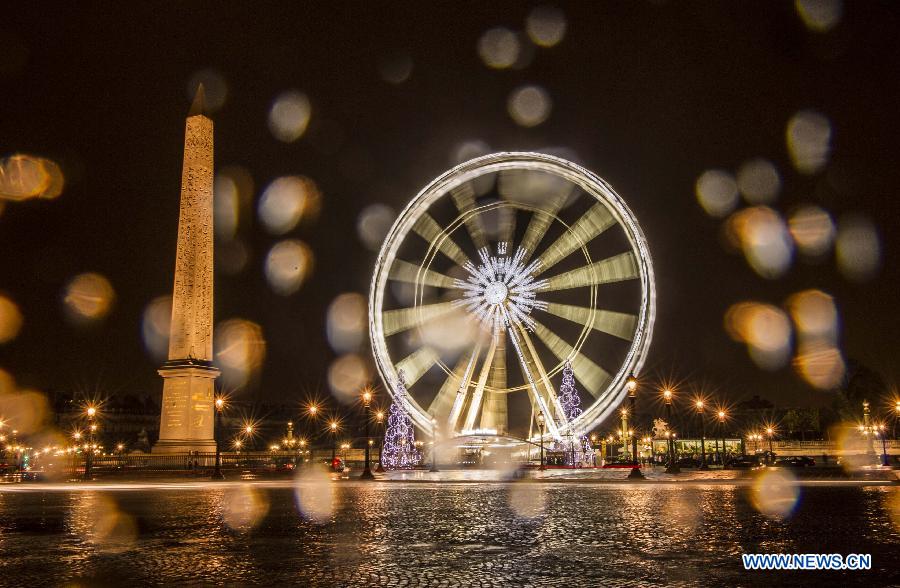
(579, 450)
(399, 451)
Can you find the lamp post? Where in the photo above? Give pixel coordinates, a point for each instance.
(770, 432)
(379, 416)
(89, 456)
(217, 434)
(672, 466)
(721, 416)
(699, 405)
(879, 432)
(631, 385)
(333, 426)
(434, 467)
(367, 401)
(540, 420)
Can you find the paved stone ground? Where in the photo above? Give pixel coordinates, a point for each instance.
(323, 533)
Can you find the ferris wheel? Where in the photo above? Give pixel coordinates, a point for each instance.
(493, 277)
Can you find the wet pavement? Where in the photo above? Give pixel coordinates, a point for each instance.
(465, 532)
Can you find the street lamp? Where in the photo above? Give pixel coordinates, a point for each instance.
(699, 405)
(217, 434)
(379, 417)
(770, 432)
(540, 420)
(879, 432)
(721, 416)
(89, 456)
(672, 466)
(631, 385)
(333, 426)
(367, 401)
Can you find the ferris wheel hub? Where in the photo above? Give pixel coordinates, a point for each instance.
(496, 293)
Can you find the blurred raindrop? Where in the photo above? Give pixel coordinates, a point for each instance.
(546, 25)
(764, 239)
(820, 363)
(814, 314)
(155, 327)
(529, 106)
(289, 116)
(214, 86)
(758, 181)
(288, 264)
(101, 523)
(88, 297)
(775, 493)
(241, 350)
(25, 176)
(10, 319)
(373, 225)
(812, 230)
(765, 329)
(527, 501)
(314, 493)
(347, 375)
(858, 248)
(227, 206)
(499, 48)
(244, 507)
(809, 141)
(396, 67)
(28, 409)
(286, 201)
(717, 192)
(820, 15)
(232, 257)
(470, 150)
(346, 322)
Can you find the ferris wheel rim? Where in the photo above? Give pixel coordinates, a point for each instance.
(599, 189)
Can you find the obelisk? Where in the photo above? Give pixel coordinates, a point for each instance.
(186, 422)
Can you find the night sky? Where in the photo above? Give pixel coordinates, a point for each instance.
(648, 95)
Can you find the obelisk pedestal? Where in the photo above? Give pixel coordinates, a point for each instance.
(186, 423)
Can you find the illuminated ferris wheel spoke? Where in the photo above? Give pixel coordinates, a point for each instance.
(463, 388)
(403, 319)
(495, 414)
(428, 228)
(612, 269)
(416, 364)
(589, 374)
(539, 223)
(404, 271)
(538, 402)
(507, 224)
(590, 225)
(478, 394)
(464, 199)
(442, 403)
(617, 324)
(553, 411)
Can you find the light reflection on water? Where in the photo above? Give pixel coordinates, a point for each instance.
(387, 532)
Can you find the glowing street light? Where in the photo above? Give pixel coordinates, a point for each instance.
(672, 466)
(699, 405)
(333, 427)
(722, 415)
(367, 403)
(217, 436)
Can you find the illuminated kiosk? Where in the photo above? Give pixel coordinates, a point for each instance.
(186, 422)
(492, 277)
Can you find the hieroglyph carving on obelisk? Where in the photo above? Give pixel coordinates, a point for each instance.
(186, 422)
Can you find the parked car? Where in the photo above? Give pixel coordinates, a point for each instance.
(795, 461)
(619, 462)
(742, 462)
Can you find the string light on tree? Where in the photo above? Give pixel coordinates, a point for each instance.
(399, 437)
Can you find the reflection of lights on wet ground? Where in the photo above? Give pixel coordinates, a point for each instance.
(155, 326)
(88, 297)
(244, 507)
(820, 15)
(717, 192)
(98, 520)
(396, 67)
(314, 493)
(765, 329)
(499, 48)
(529, 105)
(546, 26)
(25, 176)
(241, 349)
(809, 141)
(215, 88)
(10, 319)
(288, 264)
(527, 500)
(758, 181)
(347, 375)
(858, 248)
(812, 230)
(764, 239)
(775, 493)
(289, 116)
(373, 225)
(346, 322)
(286, 201)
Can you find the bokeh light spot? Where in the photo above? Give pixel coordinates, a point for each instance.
(765, 329)
(10, 319)
(546, 25)
(215, 88)
(346, 322)
(155, 326)
(717, 192)
(820, 15)
(775, 493)
(812, 230)
(314, 493)
(396, 67)
(289, 116)
(227, 205)
(373, 225)
(764, 239)
(88, 298)
(758, 181)
(499, 48)
(244, 507)
(288, 264)
(858, 248)
(820, 363)
(25, 176)
(241, 350)
(529, 106)
(814, 314)
(286, 201)
(809, 141)
(347, 375)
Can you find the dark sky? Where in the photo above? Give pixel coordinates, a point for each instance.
(647, 94)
